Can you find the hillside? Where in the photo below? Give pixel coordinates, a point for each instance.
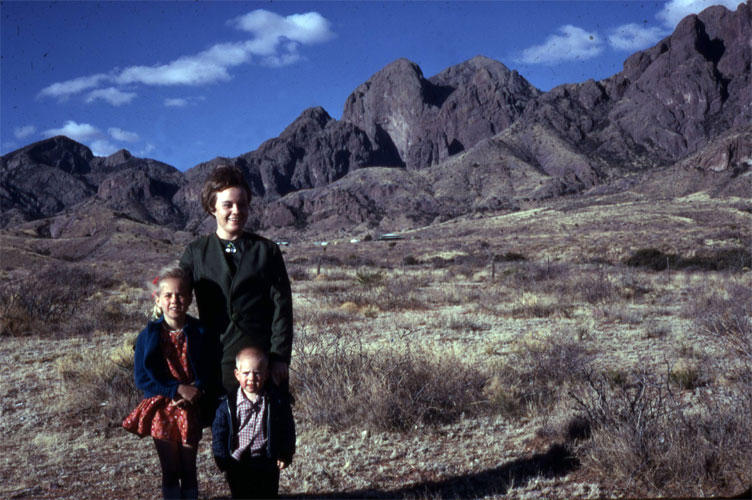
(476, 138)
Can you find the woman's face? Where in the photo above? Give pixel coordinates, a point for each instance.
(231, 212)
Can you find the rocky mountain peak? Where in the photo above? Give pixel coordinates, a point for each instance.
(117, 158)
(311, 121)
(424, 121)
(58, 152)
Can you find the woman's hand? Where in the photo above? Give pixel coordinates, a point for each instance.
(279, 372)
(188, 393)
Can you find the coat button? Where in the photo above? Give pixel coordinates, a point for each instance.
(235, 316)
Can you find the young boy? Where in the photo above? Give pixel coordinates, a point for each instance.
(253, 431)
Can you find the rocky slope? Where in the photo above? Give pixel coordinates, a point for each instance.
(55, 175)
(474, 138)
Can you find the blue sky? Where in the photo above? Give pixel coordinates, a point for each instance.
(183, 82)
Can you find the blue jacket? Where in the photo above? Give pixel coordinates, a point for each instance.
(280, 428)
(153, 377)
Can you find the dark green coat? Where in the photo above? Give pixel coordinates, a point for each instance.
(252, 308)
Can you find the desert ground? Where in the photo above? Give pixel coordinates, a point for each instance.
(594, 347)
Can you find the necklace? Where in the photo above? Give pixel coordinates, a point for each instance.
(230, 247)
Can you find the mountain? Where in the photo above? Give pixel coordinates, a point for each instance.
(55, 175)
(475, 138)
(423, 122)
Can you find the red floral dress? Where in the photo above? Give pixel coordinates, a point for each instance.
(154, 416)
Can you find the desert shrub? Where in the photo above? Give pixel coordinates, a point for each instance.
(656, 330)
(334, 292)
(99, 385)
(464, 323)
(648, 442)
(721, 259)
(368, 279)
(410, 260)
(298, 274)
(463, 270)
(532, 305)
(59, 295)
(535, 375)
(402, 292)
(726, 320)
(686, 375)
(530, 276)
(597, 287)
(325, 317)
(340, 384)
(509, 257)
(652, 258)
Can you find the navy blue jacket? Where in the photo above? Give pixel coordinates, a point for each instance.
(280, 428)
(153, 377)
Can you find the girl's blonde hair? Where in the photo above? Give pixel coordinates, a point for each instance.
(168, 272)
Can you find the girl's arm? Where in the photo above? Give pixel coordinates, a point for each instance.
(149, 367)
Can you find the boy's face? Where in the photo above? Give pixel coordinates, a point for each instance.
(251, 374)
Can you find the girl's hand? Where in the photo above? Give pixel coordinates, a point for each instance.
(281, 464)
(189, 393)
(180, 403)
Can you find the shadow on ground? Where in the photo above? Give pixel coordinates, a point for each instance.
(556, 462)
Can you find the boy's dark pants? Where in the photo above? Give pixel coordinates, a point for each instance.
(253, 477)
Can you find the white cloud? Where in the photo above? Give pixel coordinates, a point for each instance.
(276, 42)
(181, 102)
(147, 149)
(102, 147)
(206, 67)
(112, 95)
(676, 10)
(270, 29)
(123, 135)
(63, 90)
(175, 102)
(97, 140)
(570, 44)
(80, 132)
(632, 37)
(24, 132)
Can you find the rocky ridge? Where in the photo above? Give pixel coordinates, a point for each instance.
(476, 137)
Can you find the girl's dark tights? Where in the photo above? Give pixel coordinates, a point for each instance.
(178, 463)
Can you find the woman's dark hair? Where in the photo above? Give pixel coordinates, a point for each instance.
(221, 178)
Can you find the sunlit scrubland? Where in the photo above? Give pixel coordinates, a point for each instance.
(459, 375)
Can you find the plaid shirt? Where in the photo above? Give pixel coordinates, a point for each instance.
(251, 433)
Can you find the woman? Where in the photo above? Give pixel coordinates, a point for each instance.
(241, 284)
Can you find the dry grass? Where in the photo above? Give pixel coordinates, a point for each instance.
(506, 356)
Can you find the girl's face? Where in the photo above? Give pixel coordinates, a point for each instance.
(174, 298)
(231, 212)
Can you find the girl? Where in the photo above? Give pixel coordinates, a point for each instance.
(170, 370)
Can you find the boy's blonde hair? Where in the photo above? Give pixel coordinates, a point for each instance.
(169, 272)
(252, 352)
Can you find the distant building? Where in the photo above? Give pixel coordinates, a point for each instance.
(390, 237)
